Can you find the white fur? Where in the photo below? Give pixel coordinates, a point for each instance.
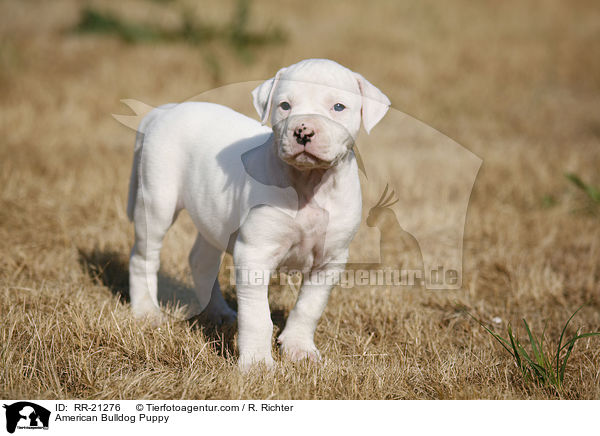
(261, 194)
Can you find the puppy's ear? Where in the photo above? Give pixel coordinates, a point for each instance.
(263, 95)
(374, 103)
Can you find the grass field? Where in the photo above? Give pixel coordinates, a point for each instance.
(517, 83)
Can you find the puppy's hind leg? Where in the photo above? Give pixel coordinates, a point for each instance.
(151, 225)
(204, 262)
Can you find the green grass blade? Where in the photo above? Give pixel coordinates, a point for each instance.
(562, 334)
(574, 178)
(581, 336)
(547, 357)
(537, 349)
(496, 336)
(532, 366)
(516, 350)
(571, 345)
(591, 191)
(543, 335)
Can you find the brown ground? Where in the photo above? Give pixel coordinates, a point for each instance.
(515, 82)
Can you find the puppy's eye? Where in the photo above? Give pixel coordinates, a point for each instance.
(338, 107)
(285, 106)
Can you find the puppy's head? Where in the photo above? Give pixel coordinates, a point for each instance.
(316, 108)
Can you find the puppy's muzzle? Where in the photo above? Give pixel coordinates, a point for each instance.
(310, 141)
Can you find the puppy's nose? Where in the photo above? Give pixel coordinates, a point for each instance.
(303, 134)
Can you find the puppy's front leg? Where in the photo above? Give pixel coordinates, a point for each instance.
(255, 328)
(297, 339)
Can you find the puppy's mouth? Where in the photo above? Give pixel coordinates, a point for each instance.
(305, 160)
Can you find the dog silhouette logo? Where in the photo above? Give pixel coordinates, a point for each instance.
(26, 415)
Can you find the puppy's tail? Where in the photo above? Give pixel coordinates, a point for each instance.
(145, 116)
(134, 180)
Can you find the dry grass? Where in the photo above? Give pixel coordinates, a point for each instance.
(516, 82)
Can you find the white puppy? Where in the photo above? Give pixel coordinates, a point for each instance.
(287, 197)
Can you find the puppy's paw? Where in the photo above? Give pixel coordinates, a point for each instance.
(149, 313)
(297, 350)
(248, 362)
